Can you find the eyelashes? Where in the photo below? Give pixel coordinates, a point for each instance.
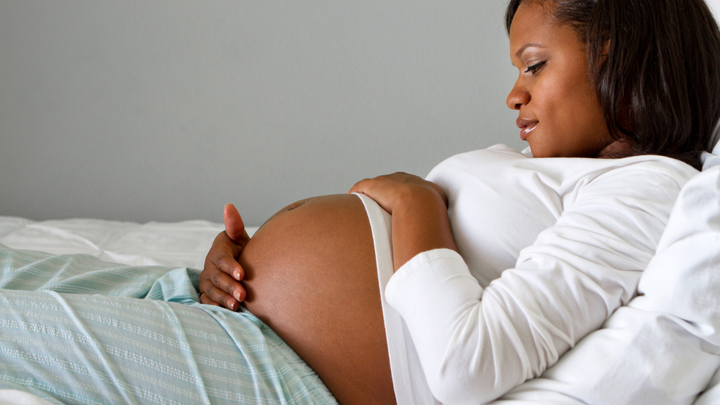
(535, 68)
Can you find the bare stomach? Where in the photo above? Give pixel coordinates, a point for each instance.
(311, 276)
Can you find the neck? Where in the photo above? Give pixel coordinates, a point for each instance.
(616, 150)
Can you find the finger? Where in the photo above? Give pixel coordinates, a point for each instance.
(223, 255)
(378, 190)
(358, 187)
(234, 226)
(228, 285)
(229, 265)
(219, 297)
(203, 298)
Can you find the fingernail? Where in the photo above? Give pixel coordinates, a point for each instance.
(236, 293)
(236, 274)
(231, 304)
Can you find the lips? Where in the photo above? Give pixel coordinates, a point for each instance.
(526, 127)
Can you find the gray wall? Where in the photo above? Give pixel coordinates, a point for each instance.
(715, 7)
(167, 110)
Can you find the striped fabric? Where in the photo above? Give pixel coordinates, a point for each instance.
(76, 330)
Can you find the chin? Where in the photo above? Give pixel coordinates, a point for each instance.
(539, 152)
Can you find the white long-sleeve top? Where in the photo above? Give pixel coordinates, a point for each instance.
(663, 347)
(548, 249)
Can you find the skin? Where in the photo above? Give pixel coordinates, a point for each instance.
(310, 273)
(559, 112)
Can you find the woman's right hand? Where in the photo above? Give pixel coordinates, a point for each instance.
(220, 278)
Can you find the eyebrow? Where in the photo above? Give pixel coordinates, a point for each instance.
(526, 46)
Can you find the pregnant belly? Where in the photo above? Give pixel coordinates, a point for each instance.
(311, 276)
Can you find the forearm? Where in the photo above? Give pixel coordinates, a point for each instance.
(475, 344)
(420, 223)
(419, 213)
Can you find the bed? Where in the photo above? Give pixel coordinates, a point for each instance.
(124, 295)
(178, 244)
(670, 331)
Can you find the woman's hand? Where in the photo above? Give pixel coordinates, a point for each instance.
(395, 188)
(419, 213)
(220, 278)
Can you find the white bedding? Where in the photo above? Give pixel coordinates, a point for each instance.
(178, 244)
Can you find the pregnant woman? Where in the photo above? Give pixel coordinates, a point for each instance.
(461, 286)
(455, 288)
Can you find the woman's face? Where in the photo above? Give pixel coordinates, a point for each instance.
(559, 113)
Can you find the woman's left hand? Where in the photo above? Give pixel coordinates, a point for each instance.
(391, 189)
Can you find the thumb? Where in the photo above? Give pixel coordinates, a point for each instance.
(234, 226)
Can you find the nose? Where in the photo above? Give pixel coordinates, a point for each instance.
(518, 96)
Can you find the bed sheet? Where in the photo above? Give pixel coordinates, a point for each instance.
(176, 244)
(77, 330)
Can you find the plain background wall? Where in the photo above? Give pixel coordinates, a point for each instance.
(715, 7)
(167, 110)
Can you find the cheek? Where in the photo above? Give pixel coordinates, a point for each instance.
(589, 115)
(553, 107)
(576, 107)
(572, 123)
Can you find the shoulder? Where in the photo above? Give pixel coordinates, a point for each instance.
(638, 168)
(627, 200)
(650, 177)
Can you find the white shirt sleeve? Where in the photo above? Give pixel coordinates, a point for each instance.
(475, 345)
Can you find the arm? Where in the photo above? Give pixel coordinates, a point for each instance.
(220, 278)
(419, 213)
(475, 344)
(627, 361)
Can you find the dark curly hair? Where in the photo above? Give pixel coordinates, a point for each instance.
(659, 83)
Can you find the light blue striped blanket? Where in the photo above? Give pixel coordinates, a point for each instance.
(77, 330)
